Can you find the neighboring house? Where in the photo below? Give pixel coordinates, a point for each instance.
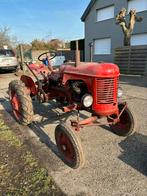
(101, 31)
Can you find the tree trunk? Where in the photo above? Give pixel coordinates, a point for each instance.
(127, 29)
(127, 39)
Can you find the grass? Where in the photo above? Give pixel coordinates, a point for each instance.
(20, 173)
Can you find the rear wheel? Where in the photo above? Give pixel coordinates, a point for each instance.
(69, 146)
(127, 124)
(21, 102)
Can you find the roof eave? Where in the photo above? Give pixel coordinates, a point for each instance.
(87, 10)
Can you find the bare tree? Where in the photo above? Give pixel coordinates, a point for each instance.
(127, 28)
(6, 39)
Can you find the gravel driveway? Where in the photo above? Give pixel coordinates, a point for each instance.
(114, 165)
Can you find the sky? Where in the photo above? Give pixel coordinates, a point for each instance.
(43, 19)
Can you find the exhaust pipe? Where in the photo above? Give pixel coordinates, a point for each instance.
(77, 54)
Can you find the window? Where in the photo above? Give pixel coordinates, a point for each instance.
(139, 5)
(102, 46)
(105, 13)
(139, 39)
(6, 53)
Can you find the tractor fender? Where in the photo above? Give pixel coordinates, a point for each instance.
(30, 84)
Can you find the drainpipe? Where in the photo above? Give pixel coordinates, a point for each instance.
(91, 51)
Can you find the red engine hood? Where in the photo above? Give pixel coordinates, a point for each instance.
(92, 69)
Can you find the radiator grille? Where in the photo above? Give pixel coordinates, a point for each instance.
(105, 89)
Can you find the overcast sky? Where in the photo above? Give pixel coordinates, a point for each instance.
(43, 19)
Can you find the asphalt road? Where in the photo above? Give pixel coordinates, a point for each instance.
(114, 165)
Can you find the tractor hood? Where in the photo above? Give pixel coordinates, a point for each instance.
(92, 69)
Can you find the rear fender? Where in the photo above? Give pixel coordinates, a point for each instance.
(29, 83)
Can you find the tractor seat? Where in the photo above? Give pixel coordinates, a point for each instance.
(55, 75)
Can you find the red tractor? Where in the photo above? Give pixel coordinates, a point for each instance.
(93, 87)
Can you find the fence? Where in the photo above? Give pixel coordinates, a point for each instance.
(132, 60)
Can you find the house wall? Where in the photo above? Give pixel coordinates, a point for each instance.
(108, 28)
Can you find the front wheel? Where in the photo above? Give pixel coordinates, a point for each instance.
(69, 146)
(127, 122)
(21, 102)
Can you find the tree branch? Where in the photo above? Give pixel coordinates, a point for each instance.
(127, 29)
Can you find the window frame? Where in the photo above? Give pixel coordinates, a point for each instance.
(138, 35)
(112, 5)
(110, 51)
(132, 8)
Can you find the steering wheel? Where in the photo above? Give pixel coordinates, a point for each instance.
(45, 53)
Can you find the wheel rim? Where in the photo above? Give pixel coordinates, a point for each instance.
(15, 105)
(124, 125)
(66, 147)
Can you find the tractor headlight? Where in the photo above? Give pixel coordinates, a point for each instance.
(87, 100)
(120, 92)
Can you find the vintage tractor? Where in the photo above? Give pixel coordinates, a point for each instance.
(93, 87)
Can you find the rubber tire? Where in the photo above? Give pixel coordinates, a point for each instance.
(26, 106)
(76, 143)
(134, 123)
